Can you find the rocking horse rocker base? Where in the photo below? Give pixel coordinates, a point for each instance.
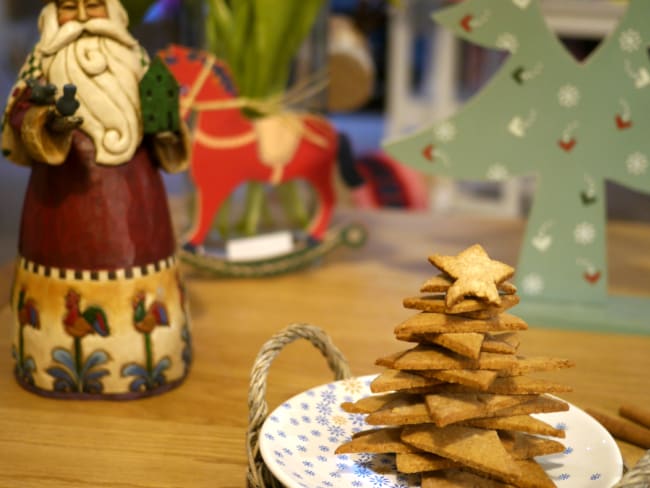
(305, 255)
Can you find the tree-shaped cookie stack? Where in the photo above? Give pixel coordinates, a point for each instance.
(457, 406)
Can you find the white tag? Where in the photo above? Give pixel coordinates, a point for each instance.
(259, 247)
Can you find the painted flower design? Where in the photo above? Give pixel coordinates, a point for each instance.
(73, 372)
(497, 172)
(445, 132)
(507, 42)
(568, 96)
(533, 284)
(630, 40)
(637, 163)
(339, 420)
(584, 233)
(28, 316)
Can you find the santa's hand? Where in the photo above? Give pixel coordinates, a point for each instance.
(167, 137)
(62, 123)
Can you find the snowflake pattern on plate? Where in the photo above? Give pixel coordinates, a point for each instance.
(568, 96)
(299, 438)
(630, 40)
(584, 233)
(637, 163)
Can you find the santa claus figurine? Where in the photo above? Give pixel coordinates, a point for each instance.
(99, 307)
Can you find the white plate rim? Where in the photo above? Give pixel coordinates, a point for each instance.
(289, 482)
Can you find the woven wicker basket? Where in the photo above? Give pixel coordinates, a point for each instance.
(258, 474)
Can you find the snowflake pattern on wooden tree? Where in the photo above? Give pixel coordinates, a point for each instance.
(574, 125)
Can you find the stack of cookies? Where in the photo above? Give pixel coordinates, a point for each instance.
(456, 407)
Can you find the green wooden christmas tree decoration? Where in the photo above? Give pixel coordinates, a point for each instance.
(574, 125)
(159, 98)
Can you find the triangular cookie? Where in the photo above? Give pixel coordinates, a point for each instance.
(395, 379)
(520, 423)
(459, 479)
(439, 323)
(419, 462)
(376, 441)
(476, 448)
(478, 379)
(448, 408)
(466, 344)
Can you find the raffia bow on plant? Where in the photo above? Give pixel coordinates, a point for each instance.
(278, 107)
(271, 105)
(277, 127)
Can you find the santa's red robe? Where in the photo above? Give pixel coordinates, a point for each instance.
(82, 215)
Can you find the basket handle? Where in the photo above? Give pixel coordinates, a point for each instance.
(258, 474)
(638, 476)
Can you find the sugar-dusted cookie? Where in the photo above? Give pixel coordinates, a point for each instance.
(441, 283)
(439, 323)
(466, 344)
(424, 357)
(376, 441)
(472, 379)
(421, 462)
(372, 403)
(526, 446)
(472, 307)
(475, 275)
(456, 478)
(477, 448)
(449, 408)
(394, 379)
(518, 423)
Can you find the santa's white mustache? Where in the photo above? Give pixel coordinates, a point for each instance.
(72, 30)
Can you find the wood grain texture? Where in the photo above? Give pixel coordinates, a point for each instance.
(195, 436)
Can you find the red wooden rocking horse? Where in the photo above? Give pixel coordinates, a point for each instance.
(230, 149)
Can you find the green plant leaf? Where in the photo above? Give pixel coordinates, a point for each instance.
(280, 27)
(259, 40)
(220, 29)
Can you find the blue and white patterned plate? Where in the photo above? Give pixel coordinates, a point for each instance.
(299, 438)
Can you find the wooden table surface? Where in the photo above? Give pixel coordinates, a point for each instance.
(195, 435)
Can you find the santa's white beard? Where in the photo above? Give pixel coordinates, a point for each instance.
(107, 75)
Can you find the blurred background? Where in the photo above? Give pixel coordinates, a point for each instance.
(392, 71)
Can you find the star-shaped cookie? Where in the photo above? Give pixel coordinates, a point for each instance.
(475, 275)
